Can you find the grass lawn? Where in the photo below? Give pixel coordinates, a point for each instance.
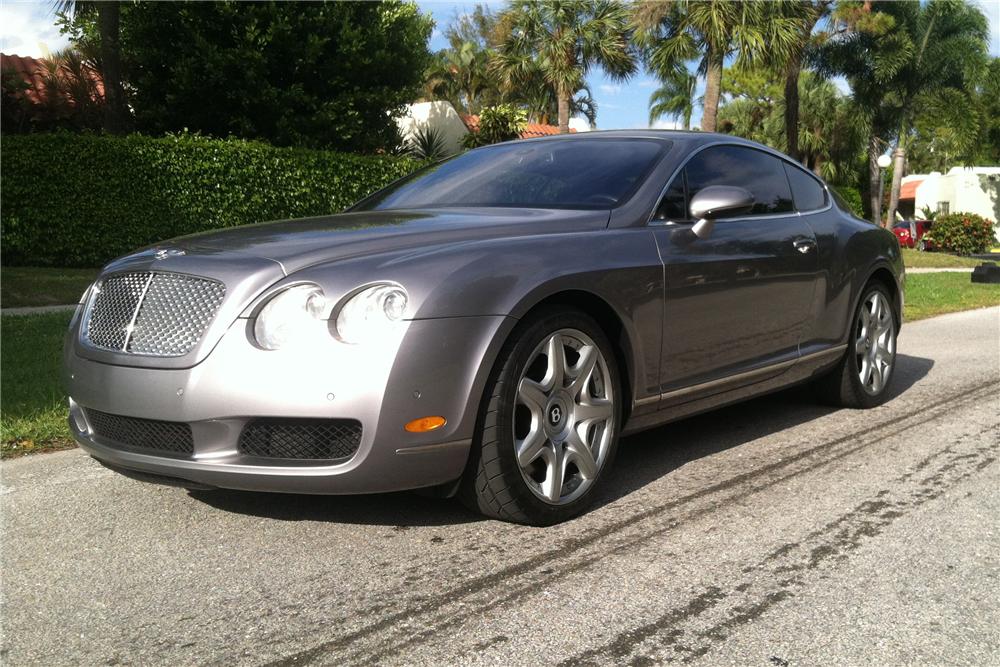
(36, 286)
(32, 400)
(930, 294)
(33, 409)
(914, 259)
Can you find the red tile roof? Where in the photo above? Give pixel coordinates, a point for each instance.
(909, 189)
(530, 130)
(33, 71)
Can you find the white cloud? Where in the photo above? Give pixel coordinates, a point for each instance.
(29, 30)
(648, 83)
(842, 85)
(609, 89)
(665, 124)
(992, 11)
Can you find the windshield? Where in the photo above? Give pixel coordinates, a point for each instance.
(565, 173)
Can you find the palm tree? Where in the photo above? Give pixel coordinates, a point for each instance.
(675, 97)
(950, 40)
(542, 106)
(903, 56)
(117, 118)
(807, 13)
(460, 76)
(563, 39)
(682, 30)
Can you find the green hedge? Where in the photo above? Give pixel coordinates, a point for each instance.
(81, 200)
(964, 233)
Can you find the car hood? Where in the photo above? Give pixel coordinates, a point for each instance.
(296, 244)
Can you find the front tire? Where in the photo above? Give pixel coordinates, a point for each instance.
(862, 377)
(549, 425)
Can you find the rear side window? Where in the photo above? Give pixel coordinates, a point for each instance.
(807, 192)
(756, 171)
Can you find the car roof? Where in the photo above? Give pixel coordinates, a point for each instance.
(690, 137)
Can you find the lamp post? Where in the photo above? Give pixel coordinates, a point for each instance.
(883, 163)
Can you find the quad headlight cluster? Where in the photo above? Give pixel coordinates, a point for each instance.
(296, 315)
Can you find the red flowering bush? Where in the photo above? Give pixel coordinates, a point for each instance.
(964, 233)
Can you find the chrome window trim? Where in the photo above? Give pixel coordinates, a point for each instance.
(650, 222)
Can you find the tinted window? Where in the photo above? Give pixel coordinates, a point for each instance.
(584, 173)
(674, 204)
(747, 168)
(807, 192)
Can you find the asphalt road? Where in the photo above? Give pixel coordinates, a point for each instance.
(777, 533)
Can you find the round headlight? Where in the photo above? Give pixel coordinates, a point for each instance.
(372, 313)
(292, 316)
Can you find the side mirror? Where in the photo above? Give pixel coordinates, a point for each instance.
(717, 201)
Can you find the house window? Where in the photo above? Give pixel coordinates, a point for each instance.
(943, 207)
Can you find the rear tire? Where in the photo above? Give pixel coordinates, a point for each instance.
(861, 378)
(548, 427)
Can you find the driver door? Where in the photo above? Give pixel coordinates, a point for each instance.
(737, 302)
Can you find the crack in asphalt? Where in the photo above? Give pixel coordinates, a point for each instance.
(845, 534)
(742, 485)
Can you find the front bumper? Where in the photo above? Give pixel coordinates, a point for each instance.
(436, 367)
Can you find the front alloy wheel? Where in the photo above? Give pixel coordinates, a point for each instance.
(549, 423)
(563, 420)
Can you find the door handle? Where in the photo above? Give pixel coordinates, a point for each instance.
(804, 245)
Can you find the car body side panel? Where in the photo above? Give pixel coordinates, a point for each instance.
(510, 276)
(737, 300)
(849, 252)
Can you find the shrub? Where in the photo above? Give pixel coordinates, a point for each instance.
(852, 197)
(964, 233)
(427, 143)
(81, 200)
(502, 122)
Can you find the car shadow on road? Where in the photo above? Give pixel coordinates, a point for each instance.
(642, 459)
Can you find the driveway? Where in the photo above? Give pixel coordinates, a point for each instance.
(778, 532)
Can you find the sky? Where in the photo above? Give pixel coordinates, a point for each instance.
(27, 29)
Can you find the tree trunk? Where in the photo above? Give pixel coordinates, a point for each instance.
(116, 118)
(792, 71)
(713, 89)
(874, 176)
(563, 99)
(898, 167)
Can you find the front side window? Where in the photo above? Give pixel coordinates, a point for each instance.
(566, 173)
(753, 170)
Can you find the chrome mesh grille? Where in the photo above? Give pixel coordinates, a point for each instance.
(154, 314)
(162, 436)
(112, 309)
(301, 439)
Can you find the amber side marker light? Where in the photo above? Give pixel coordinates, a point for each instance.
(425, 424)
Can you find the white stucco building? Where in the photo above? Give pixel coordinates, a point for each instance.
(440, 116)
(452, 126)
(961, 190)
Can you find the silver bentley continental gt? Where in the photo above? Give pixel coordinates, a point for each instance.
(487, 327)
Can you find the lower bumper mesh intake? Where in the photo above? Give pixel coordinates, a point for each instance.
(301, 439)
(150, 434)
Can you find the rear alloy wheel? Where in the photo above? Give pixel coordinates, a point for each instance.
(862, 376)
(875, 343)
(551, 423)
